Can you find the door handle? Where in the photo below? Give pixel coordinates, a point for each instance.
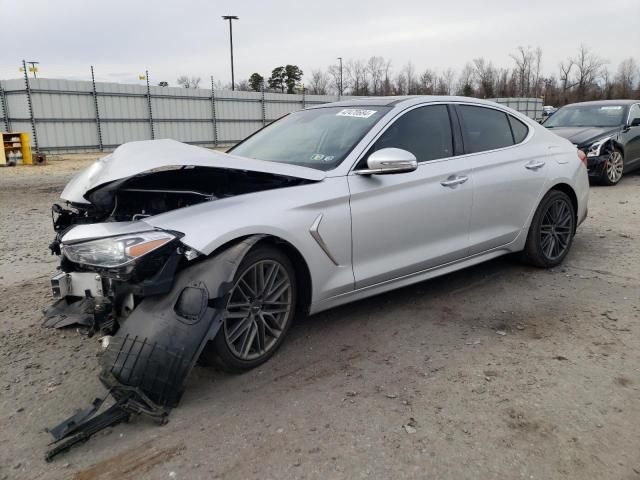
(534, 165)
(454, 180)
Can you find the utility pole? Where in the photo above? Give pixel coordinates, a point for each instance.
(340, 90)
(231, 18)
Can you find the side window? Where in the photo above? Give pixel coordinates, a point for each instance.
(423, 131)
(484, 129)
(519, 129)
(634, 112)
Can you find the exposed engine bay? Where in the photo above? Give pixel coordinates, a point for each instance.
(157, 192)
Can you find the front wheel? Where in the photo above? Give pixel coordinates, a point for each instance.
(551, 232)
(612, 170)
(260, 308)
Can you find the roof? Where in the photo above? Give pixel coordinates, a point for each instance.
(604, 102)
(406, 100)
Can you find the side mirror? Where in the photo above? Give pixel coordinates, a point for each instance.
(635, 122)
(389, 160)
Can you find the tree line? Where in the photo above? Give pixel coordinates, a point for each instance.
(580, 77)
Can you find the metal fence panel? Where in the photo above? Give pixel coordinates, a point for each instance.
(69, 116)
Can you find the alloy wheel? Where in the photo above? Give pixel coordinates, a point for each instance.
(615, 165)
(258, 310)
(556, 229)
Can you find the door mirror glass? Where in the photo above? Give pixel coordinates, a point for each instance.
(390, 160)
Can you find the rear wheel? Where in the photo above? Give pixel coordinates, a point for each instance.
(551, 232)
(260, 308)
(612, 170)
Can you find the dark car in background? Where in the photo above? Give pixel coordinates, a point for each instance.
(607, 131)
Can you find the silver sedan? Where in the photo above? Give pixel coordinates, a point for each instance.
(176, 252)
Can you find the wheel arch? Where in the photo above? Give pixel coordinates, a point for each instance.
(570, 192)
(300, 265)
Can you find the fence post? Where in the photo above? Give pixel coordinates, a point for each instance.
(213, 114)
(304, 104)
(5, 109)
(30, 105)
(146, 75)
(95, 104)
(262, 105)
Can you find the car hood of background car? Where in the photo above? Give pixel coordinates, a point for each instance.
(583, 135)
(134, 158)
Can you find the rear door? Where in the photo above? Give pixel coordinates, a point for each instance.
(631, 139)
(408, 222)
(508, 174)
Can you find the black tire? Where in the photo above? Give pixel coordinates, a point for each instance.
(222, 352)
(548, 243)
(608, 177)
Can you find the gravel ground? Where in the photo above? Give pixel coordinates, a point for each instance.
(500, 371)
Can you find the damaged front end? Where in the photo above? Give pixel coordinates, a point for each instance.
(148, 359)
(154, 300)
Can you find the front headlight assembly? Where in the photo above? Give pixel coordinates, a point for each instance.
(114, 252)
(595, 149)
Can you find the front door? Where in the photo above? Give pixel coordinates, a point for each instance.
(408, 222)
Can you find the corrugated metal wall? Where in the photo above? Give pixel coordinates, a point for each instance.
(73, 116)
(69, 116)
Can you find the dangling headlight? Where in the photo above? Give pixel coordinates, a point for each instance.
(117, 251)
(594, 149)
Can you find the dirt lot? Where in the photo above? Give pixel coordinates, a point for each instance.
(501, 371)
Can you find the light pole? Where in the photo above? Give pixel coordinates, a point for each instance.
(231, 18)
(340, 90)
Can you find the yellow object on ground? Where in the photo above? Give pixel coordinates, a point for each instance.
(16, 149)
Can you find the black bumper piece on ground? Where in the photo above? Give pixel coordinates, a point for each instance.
(148, 360)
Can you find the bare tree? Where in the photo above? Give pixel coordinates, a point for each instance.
(588, 66)
(400, 84)
(334, 78)
(409, 73)
(465, 81)
(446, 80)
(566, 66)
(376, 70)
(524, 59)
(485, 74)
(243, 86)
(387, 87)
(608, 84)
(427, 83)
(626, 77)
(318, 82)
(357, 77)
(186, 82)
(537, 71)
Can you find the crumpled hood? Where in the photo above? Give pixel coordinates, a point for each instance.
(134, 158)
(582, 136)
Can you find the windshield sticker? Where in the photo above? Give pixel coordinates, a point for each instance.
(329, 158)
(616, 107)
(355, 112)
(317, 157)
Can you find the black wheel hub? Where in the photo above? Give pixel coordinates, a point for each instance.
(556, 229)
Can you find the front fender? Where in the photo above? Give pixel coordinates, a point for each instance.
(159, 343)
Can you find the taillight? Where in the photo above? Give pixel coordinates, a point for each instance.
(582, 157)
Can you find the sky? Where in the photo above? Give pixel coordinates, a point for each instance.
(123, 38)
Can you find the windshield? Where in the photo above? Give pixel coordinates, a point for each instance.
(587, 116)
(318, 138)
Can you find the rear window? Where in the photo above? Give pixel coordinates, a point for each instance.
(519, 129)
(484, 129)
